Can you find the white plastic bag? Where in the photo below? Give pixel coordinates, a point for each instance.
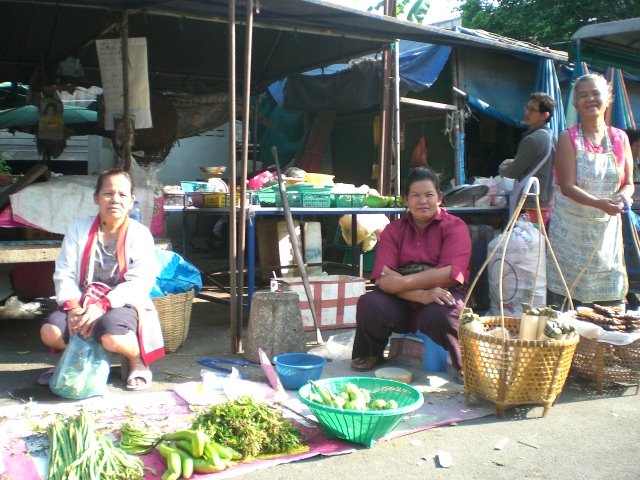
(525, 256)
(338, 347)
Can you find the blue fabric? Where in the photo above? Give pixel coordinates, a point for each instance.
(176, 275)
(547, 82)
(420, 66)
(486, 109)
(631, 223)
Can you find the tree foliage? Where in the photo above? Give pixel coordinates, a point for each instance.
(544, 22)
(411, 10)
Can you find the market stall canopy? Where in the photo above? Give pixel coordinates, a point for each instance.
(614, 44)
(27, 116)
(187, 39)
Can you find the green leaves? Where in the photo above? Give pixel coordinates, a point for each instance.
(544, 22)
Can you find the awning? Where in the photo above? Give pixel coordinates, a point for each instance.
(614, 44)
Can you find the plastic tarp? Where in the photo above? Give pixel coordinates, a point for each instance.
(547, 82)
(352, 86)
(619, 113)
(356, 86)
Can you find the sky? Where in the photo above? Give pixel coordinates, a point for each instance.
(438, 11)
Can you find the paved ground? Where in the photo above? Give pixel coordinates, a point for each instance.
(586, 436)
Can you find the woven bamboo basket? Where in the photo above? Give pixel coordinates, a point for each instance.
(174, 311)
(503, 369)
(606, 363)
(511, 372)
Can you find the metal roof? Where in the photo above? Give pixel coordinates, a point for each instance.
(187, 39)
(615, 44)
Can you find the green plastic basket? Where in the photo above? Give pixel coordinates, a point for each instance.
(367, 426)
(350, 200)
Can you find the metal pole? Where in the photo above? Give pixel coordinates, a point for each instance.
(396, 112)
(233, 244)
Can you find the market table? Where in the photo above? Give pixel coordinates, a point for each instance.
(30, 251)
(255, 212)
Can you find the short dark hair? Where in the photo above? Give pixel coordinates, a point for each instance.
(545, 103)
(419, 174)
(112, 173)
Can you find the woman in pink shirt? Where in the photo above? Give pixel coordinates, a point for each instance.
(420, 274)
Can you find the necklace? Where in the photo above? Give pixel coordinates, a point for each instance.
(103, 245)
(596, 137)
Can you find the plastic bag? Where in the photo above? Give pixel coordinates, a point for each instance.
(524, 256)
(338, 347)
(83, 370)
(369, 228)
(176, 275)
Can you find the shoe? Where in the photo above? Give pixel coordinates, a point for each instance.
(459, 377)
(134, 377)
(364, 364)
(45, 377)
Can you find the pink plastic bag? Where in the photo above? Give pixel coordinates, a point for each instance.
(260, 180)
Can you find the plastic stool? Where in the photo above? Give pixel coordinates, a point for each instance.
(434, 357)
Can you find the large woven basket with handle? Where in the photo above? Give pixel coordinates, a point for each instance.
(511, 372)
(504, 369)
(174, 311)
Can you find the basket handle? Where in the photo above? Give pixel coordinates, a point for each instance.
(531, 187)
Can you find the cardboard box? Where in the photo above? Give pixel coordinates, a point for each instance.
(275, 248)
(335, 298)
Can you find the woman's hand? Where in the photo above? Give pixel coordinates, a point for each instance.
(389, 281)
(611, 206)
(438, 295)
(82, 320)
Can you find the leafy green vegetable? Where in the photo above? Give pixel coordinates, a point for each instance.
(252, 428)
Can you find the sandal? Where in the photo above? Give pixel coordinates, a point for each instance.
(364, 364)
(136, 375)
(45, 377)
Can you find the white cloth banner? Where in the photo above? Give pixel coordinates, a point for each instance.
(54, 205)
(110, 59)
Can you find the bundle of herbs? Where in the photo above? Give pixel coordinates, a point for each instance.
(252, 428)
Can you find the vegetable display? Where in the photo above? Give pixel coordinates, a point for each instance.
(78, 451)
(189, 451)
(137, 437)
(249, 427)
(350, 397)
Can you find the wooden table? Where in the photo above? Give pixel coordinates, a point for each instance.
(30, 251)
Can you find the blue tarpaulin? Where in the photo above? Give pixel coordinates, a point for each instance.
(547, 82)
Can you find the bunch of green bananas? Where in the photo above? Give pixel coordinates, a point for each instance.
(189, 451)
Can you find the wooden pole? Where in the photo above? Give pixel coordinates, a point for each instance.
(233, 244)
(242, 224)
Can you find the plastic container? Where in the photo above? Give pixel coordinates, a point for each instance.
(367, 426)
(319, 178)
(191, 187)
(135, 212)
(349, 200)
(296, 369)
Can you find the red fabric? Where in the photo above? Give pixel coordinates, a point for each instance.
(120, 250)
(311, 158)
(420, 154)
(445, 241)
